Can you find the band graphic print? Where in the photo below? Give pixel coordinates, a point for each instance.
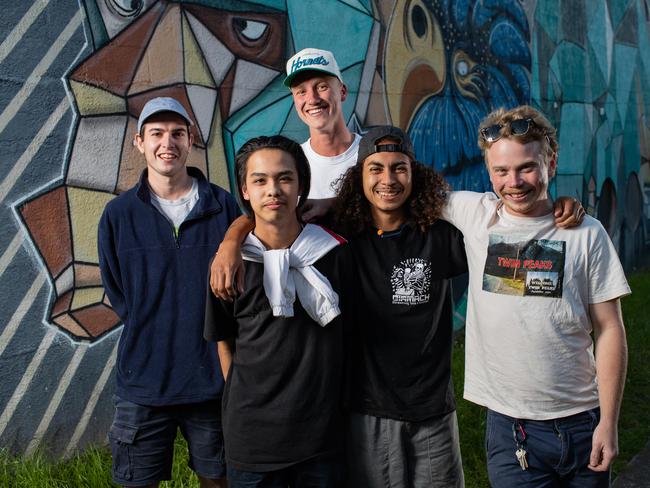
(524, 267)
(410, 281)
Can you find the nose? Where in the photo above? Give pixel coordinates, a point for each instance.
(166, 140)
(514, 179)
(273, 187)
(312, 96)
(387, 177)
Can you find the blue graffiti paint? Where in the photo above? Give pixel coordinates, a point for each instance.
(487, 66)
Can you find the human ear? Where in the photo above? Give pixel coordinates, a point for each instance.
(244, 192)
(139, 143)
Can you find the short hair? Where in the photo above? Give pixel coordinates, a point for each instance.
(271, 142)
(540, 130)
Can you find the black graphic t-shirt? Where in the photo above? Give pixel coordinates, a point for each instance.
(401, 359)
(283, 399)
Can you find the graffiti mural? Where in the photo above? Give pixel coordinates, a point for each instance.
(433, 67)
(482, 62)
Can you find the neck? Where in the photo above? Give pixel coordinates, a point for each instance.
(387, 222)
(277, 235)
(331, 142)
(169, 187)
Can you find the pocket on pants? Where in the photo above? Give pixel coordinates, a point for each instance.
(121, 438)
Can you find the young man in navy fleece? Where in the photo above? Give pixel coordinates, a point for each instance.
(155, 243)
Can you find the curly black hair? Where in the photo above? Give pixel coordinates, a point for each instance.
(423, 206)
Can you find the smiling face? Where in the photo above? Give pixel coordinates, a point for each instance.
(387, 184)
(319, 100)
(272, 187)
(165, 143)
(520, 174)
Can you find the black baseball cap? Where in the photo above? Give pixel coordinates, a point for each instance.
(368, 144)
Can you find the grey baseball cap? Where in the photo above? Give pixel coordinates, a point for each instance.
(162, 104)
(368, 144)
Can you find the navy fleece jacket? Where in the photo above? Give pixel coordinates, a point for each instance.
(156, 283)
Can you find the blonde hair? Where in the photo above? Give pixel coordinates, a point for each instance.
(540, 129)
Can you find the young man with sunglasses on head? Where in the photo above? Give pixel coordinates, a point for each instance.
(536, 294)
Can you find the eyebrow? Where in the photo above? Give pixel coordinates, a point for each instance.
(281, 173)
(519, 166)
(158, 128)
(394, 163)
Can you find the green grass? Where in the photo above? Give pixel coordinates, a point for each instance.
(634, 424)
(91, 468)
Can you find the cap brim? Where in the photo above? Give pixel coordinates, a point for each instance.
(148, 116)
(289, 79)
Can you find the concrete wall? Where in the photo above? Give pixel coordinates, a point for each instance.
(74, 76)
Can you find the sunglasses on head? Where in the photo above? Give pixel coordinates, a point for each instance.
(518, 127)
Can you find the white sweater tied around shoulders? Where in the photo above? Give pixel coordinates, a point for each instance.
(290, 272)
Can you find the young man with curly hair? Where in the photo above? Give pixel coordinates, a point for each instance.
(537, 293)
(281, 342)
(402, 428)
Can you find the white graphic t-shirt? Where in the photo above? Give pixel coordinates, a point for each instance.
(326, 170)
(529, 352)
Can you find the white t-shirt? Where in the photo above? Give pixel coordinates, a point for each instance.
(177, 210)
(325, 170)
(528, 349)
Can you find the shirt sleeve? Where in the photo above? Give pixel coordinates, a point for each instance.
(463, 208)
(109, 266)
(219, 324)
(607, 279)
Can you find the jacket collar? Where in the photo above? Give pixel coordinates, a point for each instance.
(207, 202)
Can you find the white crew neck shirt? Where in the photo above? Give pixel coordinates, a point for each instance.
(326, 170)
(176, 211)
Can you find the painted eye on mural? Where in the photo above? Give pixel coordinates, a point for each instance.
(250, 30)
(467, 75)
(125, 8)
(462, 67)
(419, 21)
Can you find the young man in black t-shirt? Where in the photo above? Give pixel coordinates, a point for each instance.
(283, 358)
(402, 430)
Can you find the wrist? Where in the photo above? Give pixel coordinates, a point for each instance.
(608, 423)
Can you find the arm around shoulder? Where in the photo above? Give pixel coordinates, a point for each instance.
(226, 271)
